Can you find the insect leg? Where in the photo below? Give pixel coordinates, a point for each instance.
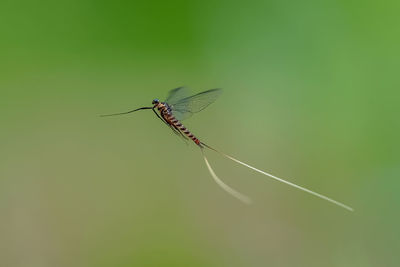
(155, 112)
(178, 133)
(172, 126)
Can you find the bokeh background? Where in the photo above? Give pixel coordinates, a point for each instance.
(310, 94)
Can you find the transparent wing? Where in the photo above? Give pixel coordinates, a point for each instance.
(186, 107)
(176, 94)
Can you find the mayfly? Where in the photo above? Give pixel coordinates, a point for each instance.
(179, 106)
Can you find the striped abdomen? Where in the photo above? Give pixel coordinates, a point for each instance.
(166, 113)
(183, 129)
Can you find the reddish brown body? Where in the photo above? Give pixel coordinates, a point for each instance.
(166, 114)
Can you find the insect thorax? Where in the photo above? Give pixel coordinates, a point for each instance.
(164, 107)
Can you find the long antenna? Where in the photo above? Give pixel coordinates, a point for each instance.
(127, 112)
(282, 180)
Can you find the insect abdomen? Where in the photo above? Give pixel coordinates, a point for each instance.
(184, 130)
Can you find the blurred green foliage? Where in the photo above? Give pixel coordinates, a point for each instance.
(310, 94)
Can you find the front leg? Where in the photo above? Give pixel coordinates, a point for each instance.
(178, 133)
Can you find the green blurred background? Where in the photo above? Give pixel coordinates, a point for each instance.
(310, 94)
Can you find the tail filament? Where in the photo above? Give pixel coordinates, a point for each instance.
(227, 188)
(273, 177)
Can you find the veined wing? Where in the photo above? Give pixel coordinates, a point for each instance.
(177, 94)
(186, 107)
